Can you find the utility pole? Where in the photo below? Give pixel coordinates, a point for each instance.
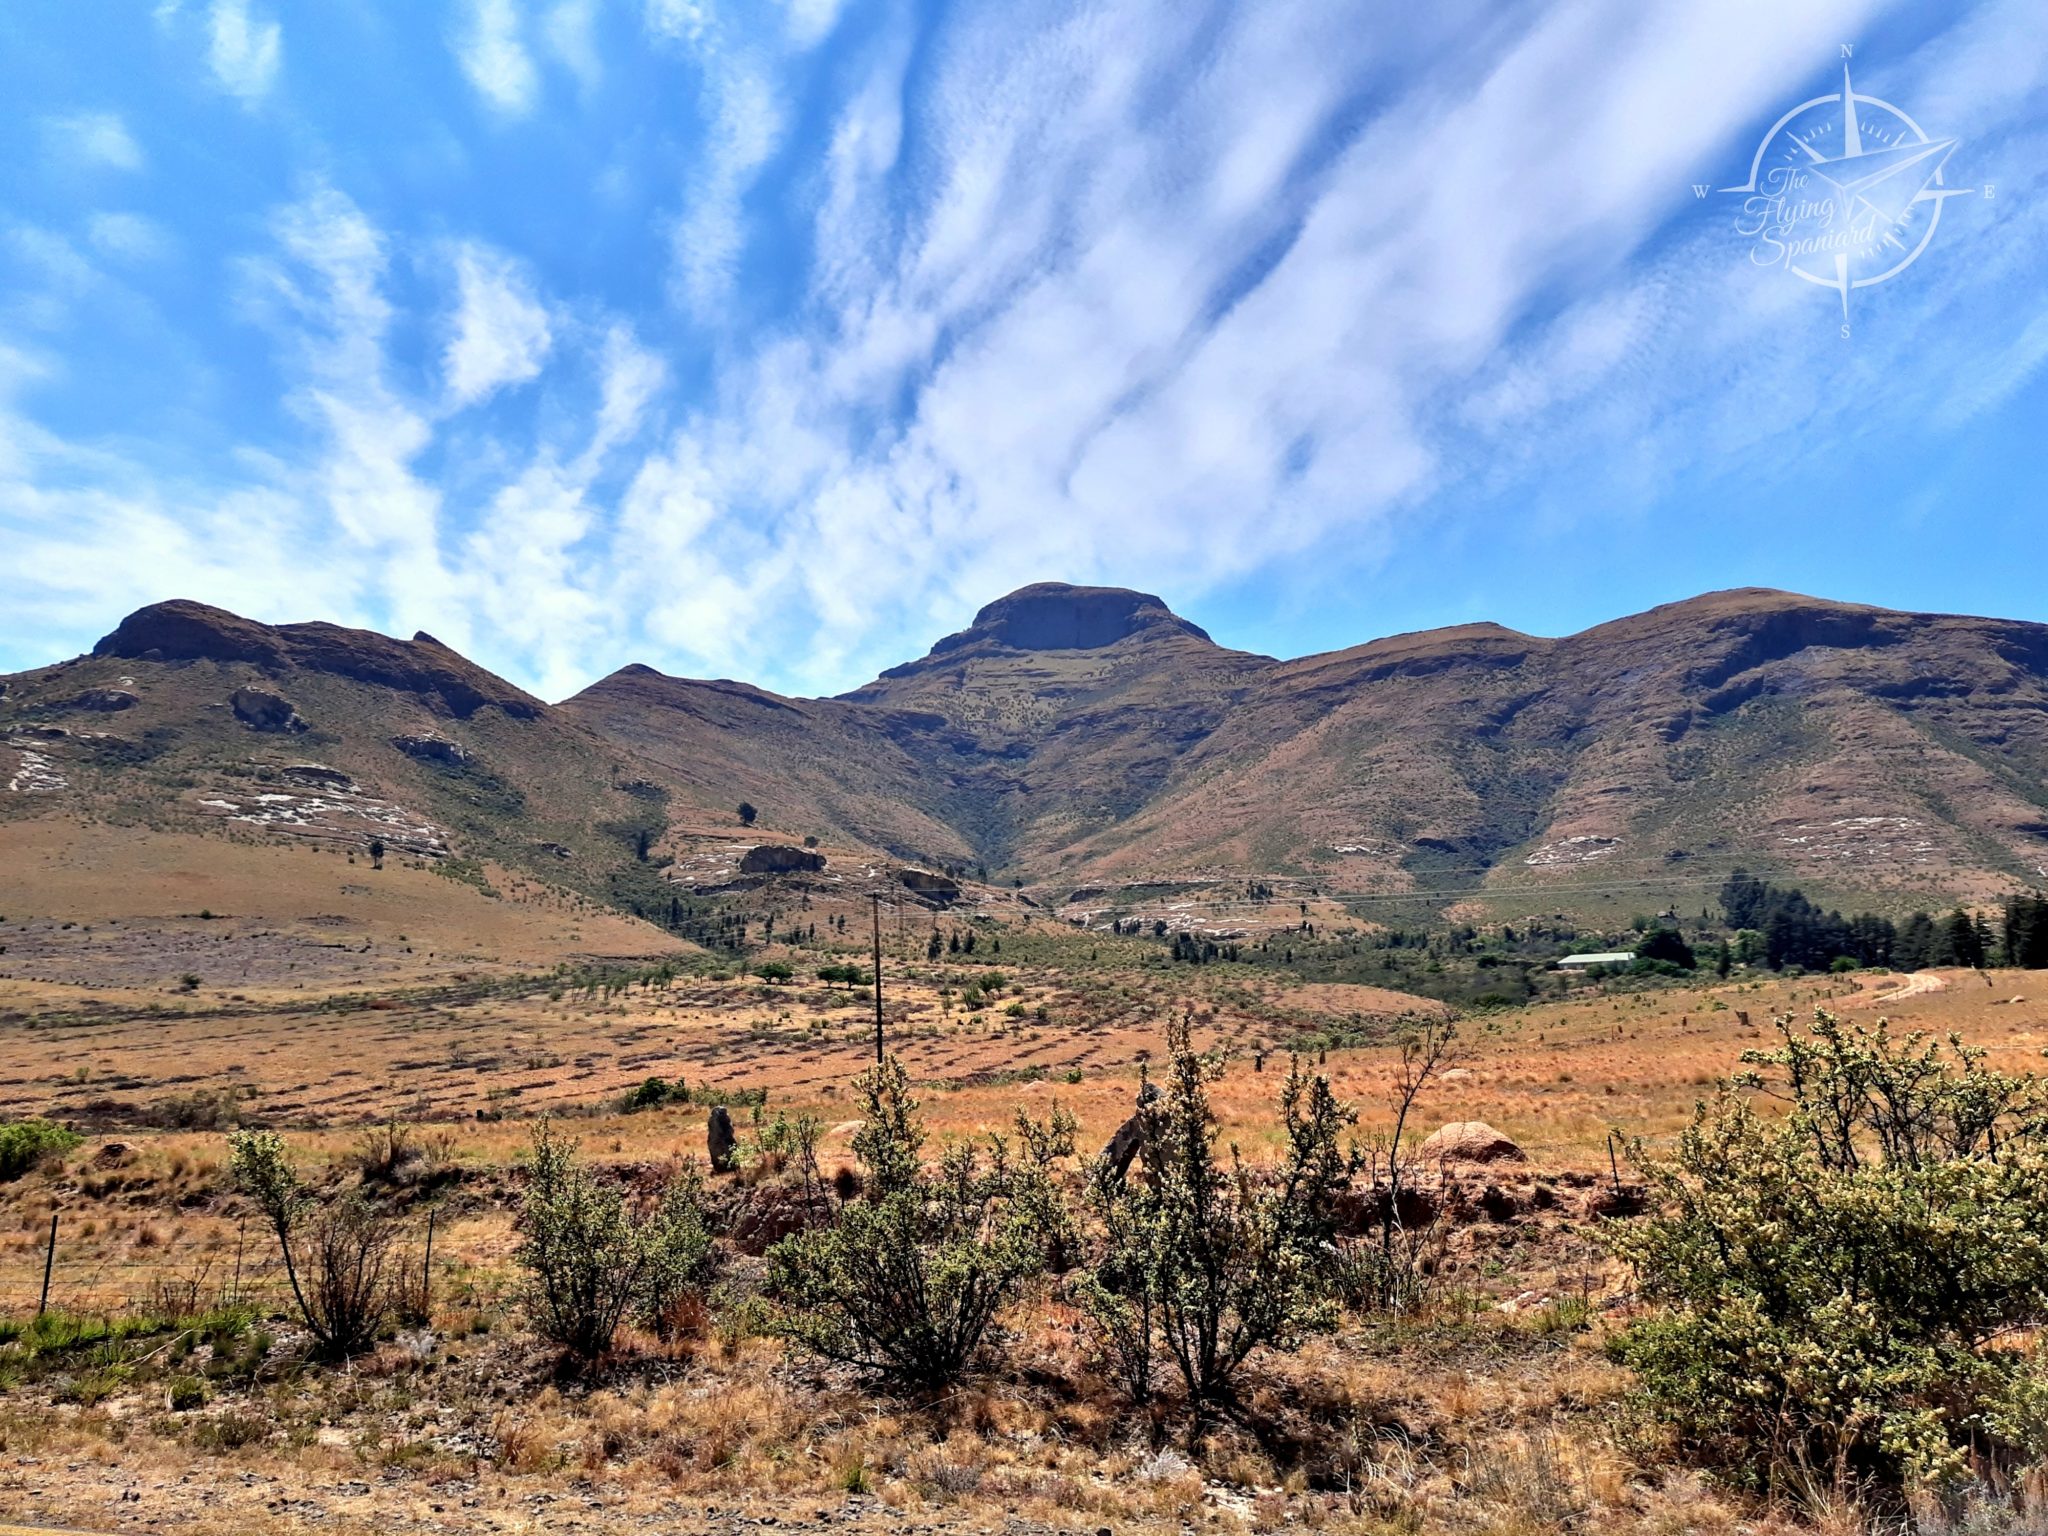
(877, 900)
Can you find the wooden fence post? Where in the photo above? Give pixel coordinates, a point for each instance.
(427, 1271)
(49, 1263)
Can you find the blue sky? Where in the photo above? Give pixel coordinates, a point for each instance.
(770, 340)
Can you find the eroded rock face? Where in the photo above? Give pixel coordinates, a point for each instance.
(317, 775)
(780, 859)
(1470, 1141)
(106, 700)
(188, 631)
(261, 710)
(431, 748)
(931, 886)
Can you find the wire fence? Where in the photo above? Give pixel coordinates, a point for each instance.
(180, 1278)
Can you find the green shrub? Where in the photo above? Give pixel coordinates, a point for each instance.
(656, 1091)
(1207, 1260)
(731, 1098)
(790, 1143)
(592, 1258)
(25, 1143)
(1838, 1287)
(906, 1281)
(187, 1393)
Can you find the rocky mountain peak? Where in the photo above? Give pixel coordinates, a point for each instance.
(182, 630)
(1055, 616)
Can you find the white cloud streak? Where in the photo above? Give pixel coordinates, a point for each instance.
(128, 236)
(745, 128)
(492, 51)
(99, 139)
(571, 31)
(243, 50)
(500, 333)
(1125, 291)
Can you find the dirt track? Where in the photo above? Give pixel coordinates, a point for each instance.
(1875, 994)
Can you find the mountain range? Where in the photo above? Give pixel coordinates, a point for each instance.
(1076, 737)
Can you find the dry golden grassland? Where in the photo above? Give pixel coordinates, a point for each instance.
(1496, 1412)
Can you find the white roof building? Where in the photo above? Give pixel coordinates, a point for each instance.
(1611, 957)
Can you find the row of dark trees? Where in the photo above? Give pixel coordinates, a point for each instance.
(1796, 933)
(1197, 950)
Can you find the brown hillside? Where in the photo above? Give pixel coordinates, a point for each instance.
(1087, 735)
(1083, 736)
(189, 720)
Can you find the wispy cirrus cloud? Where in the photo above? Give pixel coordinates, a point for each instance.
(491, 47)
(129, 237)
(570, 27)
(934, 301)
(500, 334)
(1150, 315)
(99, 139)
(243, 50)
(746, 124)
(676, 20)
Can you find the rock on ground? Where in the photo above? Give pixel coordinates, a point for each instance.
(262, 710)
(1470, 1141)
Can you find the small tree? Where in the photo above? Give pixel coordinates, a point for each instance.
(335, 1252)
(1120, 1292)
(1391, 1268)
(376, 853)
(906, 1282)
(592, 1260)
(747, 814)
(1838, 1285)
(1217, 1260)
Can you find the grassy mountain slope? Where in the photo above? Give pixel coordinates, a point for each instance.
(189, 720)
(1088, 735)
